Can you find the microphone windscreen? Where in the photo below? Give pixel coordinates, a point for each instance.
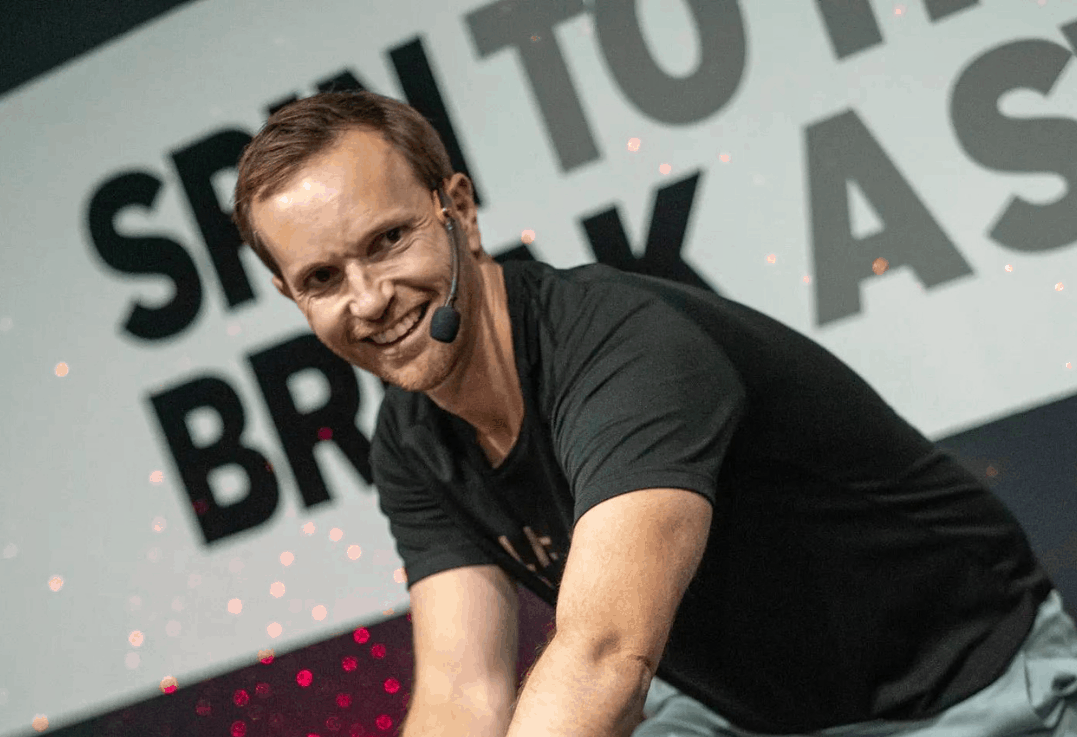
(445, 324)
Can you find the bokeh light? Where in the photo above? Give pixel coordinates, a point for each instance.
(400, 575)
(1009, 267)
(899, 10)
(239, 728)
(344, 700)
(56, 583)
(263, 690)
(349, 663)
(880, 265)
(235, 606)
(354, 551)
(392, 685)
(319, 612)
(304, 678)
(276, 589)
(335, 534)
(274, 629)
(265, 657)
(724, 157)
(158, 524)
(241, 698)
(527, 236)
(157, 477)
(384, 721)
(135, 638)
(286, 558)
(772, 258)
(169, 684)
(308, 529)
(40, 723)
(378, 651)
(1059, 287)
(633, 144)
(61, 369)
(361, 635)
(664, 169)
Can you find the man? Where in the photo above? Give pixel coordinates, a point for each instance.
(702, 493)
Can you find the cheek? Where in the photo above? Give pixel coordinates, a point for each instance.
(326, 324)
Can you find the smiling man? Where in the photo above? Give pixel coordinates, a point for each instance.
(704, 494)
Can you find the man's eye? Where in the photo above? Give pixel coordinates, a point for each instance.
(320, 277)
(392, 237)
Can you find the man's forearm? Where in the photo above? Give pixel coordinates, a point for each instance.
(448, 719)
(572, 695)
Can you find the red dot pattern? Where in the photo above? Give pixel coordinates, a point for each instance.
(270, 699)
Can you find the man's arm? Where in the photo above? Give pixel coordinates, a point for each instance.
(465, 627)
(630, 562)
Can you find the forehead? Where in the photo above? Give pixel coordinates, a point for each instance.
(337, 194)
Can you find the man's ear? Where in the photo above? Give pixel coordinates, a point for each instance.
(459, 189)
(282, 288)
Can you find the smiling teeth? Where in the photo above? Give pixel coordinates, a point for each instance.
(399, 329)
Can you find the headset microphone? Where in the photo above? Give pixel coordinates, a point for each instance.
(445, 323)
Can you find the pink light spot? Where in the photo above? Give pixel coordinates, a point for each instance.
(361, 635)
(239, 728)
(344, 700)
(263, 690)
(392, 685)
(241, 698)
(383, 722)
(304, 678)
(378, 651)
(325, 433)
(349, 663)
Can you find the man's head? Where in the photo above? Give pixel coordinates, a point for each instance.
(302, 130)
(346, 214)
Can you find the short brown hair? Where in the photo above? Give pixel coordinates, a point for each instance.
(304, 129)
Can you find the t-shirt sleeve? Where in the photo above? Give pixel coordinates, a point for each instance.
(645, 399)
(427, 539)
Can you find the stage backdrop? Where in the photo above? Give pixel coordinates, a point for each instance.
(184, 476)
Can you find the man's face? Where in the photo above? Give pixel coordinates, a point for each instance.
(367, 260)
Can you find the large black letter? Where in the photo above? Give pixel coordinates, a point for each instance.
(842, 149)
(335, 420)
(528, 26)
(144, 255)
(195, 463)
(196, 166)
(674, 100)
(852, 27)
(1020, 144)
(665, 238)
(417, 80)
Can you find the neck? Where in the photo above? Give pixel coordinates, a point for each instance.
(484, 389)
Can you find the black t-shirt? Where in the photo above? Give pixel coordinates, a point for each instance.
(853, 571)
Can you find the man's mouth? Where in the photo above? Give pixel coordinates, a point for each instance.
(402, 329)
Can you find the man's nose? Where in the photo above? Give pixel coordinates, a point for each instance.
(368, 294)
